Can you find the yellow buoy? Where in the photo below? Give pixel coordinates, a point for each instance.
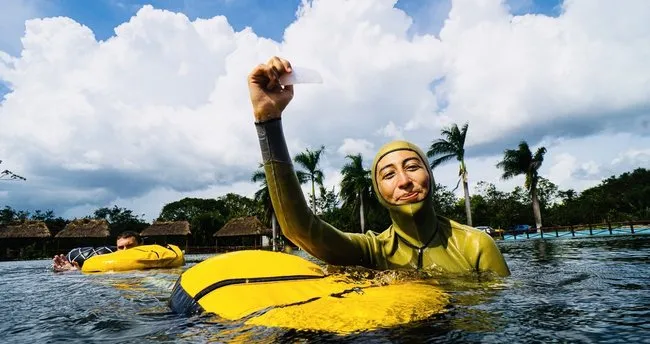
(282, 290)
(136, 258)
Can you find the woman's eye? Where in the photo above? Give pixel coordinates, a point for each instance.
(412, 167)
(388, 175)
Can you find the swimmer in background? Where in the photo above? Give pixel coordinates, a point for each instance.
(402, 181)
(75, 258)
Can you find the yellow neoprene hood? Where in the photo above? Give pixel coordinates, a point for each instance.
(397, 146)
(415, 222)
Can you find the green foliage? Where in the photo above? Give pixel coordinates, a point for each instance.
(444, 201)
(521, 161)
(308, 161)
(621, 198)
(120, 220)
(207, 216)
(8, 215)
(449, 147)
(453, 146)
(499, 209)
(188, 208)
(547, 192)
(356, 188)
(262, 196)
(235, 205)
(327, 200)
(618, 198)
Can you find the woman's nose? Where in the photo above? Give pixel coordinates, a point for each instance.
(403, 179)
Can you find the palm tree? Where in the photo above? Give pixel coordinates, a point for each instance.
(263, 197)
(309, 161)
(356, 185)
(521, 161)
(452, 145)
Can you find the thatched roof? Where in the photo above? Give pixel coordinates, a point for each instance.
(85, 228)
(242, 226)
(26, 230)
(159, 228)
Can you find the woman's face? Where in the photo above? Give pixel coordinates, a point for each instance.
(402, 177)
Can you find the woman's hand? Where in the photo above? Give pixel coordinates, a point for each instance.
(268, 97)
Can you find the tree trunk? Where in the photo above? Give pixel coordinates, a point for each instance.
(536, 212)
(274, 227)
(361, 214)
(313, 197)
(468, 207)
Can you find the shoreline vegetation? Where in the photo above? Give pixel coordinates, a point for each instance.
(622, 200)
(353, 207)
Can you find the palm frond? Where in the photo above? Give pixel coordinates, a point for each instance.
(259, 176)
(303, 177)
(304, 160)
(435, 163)
(452, 145)
(355, 182)
(318, 177)
(440, 147)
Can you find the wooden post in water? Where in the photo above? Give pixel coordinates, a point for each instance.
(631, 228)
(573, 233)
(590, 231)
(609, 225)
(557, 235)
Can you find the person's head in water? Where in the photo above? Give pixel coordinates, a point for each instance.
(128, 239)
(401, 174)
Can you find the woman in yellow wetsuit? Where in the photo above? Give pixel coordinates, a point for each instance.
(402, 181)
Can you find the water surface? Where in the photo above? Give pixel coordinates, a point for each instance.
(578, 290)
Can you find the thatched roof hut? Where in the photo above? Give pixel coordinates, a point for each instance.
(164, 233)
(243, 226)
(26, 230)
(169, 228)
(85, 228)
(242, 233)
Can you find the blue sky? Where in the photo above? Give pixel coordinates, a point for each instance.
(268, 18)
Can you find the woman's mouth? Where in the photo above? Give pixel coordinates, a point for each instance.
(409, 196)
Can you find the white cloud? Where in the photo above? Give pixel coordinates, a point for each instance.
(353, 146)
(161, 110)
(391, 131)
(505, 73)
(561, 168)
(633, 157)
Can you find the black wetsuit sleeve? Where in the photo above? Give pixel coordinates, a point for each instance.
(296, 219)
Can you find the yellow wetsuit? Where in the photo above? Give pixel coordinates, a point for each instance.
(417, 238)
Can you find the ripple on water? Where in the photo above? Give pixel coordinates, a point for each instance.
(561, 290)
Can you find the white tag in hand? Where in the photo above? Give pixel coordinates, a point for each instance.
(300, 75)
